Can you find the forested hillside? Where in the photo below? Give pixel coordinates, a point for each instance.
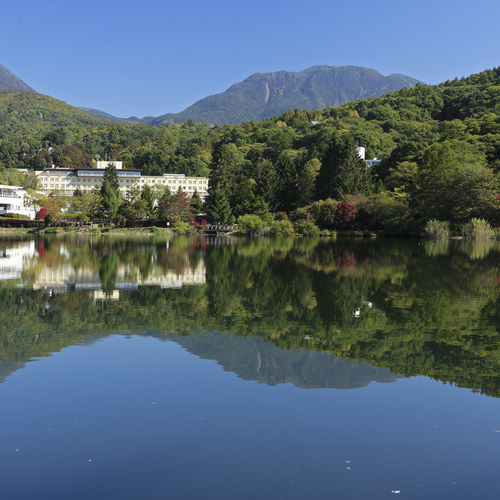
(439, 146)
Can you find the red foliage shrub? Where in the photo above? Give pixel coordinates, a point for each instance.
(41, 213)
(345, 216)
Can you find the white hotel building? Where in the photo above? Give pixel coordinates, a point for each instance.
(13, 200)
(66, 180)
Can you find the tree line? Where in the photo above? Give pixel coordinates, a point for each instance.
(438, 145)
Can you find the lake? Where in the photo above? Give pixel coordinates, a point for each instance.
(264, 368)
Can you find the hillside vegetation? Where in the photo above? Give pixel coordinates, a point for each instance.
(439, 146)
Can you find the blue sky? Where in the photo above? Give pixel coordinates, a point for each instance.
(152, 57)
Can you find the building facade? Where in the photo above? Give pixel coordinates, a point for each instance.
(66, 180)
(13, 199)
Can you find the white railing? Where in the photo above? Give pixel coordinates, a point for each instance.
(9, 196)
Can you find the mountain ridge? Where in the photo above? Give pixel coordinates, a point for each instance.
(263, 95)
(9, 81)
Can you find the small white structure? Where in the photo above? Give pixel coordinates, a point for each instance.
(373, 162)
(13, 200)
(361, 152)
(104, 164)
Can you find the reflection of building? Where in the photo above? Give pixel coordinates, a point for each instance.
(13, 200)
(100, 295)
(66, 276)
(67, 180)
(13, 260)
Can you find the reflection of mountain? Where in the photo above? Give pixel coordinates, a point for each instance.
(7, 368)
(254, 359)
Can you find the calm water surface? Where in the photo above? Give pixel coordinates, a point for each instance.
(196, 368)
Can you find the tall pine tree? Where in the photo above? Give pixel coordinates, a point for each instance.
(342, 171)
(218, 208)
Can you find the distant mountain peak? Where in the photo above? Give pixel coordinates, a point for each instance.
(9, 81)
(263, 95)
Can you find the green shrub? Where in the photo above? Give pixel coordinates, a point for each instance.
(73, 217)
(437, 229)
(181, 228)
(323, 213)
(387, 212)
(477, 229)
(119, 220)
(281, 227)
(250, 224)
(306, 228)
(280, 216)
(300, 214)
(48, 220)
(10, 215)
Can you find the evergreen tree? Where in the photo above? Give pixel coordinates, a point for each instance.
(342, 171)
(147, 196)
(253, 205)
(197, 203)
(227, 171)
(109, 200)
(111, 175)
(218, 208)
(306, 182)
(286, 170)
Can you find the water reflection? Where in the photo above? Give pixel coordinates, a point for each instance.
(255, 359)
(60, 265)
(413, 307)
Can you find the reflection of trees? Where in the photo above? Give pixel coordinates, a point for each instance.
(108, 272)
(416, 314)
(175, 257)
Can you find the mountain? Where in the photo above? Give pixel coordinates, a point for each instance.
(264, 95)
(102, 115)
(9, 81)
(27, 112)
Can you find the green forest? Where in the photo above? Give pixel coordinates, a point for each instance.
(297, 172)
